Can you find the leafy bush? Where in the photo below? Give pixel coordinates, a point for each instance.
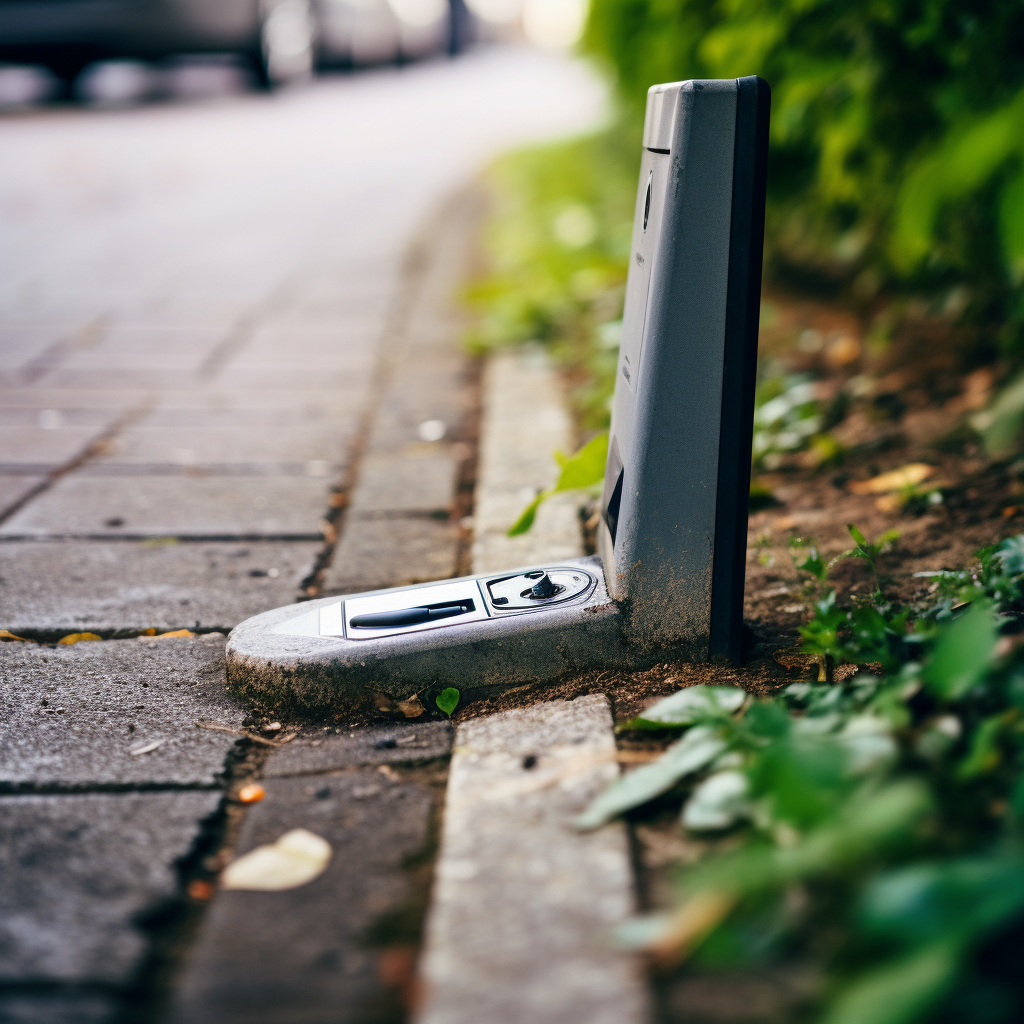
(897, 138)
(872, 826)
(558, 241)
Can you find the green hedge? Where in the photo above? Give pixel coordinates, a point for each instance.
(897, 141)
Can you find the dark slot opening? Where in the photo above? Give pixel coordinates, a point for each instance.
(611, 511)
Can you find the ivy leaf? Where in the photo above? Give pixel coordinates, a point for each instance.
(448, 700)
(960, 657)
(1011, 555)
(688, 706)
(717, 803)
(698, 748)
(899, 991)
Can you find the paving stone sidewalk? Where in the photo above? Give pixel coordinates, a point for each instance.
(206, 411)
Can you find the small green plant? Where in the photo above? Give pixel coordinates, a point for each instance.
(448, 700)
(868, 551)
(890, 801)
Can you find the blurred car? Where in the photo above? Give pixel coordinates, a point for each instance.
(274, 36)
(353, 33)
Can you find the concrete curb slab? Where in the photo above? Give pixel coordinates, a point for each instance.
(524, 423)
(523, 907)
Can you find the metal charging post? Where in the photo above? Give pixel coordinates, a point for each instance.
(668, 581)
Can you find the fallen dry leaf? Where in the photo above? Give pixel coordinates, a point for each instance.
(174, 633)
(296, 858)
(411, 707)
(7, 636)
(689, 924)
(75, 638)
(147, 748)
(895, 480)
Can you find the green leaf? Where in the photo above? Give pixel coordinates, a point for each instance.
(579, 471)
(448, 700)
(962, 163)
(1011, 224)
(526, 518)
(961, 655)
(964, 897)
(1011, 555)
(985, 754)
(1000, 424)
(698, 748)
(718, 802)
(900, 991)
(586, 467)
(690, 705)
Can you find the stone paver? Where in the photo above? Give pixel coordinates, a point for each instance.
(55, 587)
(387, 483)
(69, 399)
(524, 423)
(14, 488)
(523, 906)
(57, 1007)
(246, 441)
(430, 388)
(77, 716)
(78, 873)
(386, 744)
(301, 956)
(180, 505)
(392, 552)
(36, 446)
(406, 467)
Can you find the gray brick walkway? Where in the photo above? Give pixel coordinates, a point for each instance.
(222, 330)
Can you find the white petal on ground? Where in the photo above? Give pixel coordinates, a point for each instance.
(296, 858)
(147, 748)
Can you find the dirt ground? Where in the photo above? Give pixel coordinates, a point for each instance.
(911, 399)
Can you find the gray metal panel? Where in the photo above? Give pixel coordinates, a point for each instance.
(667, 409)
(660, 119)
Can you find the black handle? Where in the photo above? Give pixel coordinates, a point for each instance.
(410, 616)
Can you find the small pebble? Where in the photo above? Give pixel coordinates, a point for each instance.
(198, 889)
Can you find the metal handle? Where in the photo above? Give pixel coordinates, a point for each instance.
(410, 616)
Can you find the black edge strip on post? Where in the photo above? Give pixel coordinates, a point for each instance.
(742, 313)
(665, 152)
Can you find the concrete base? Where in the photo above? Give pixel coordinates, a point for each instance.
(320, 674)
